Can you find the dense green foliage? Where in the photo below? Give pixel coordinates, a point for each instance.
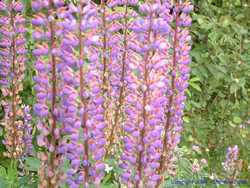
(219, 95)
(218, 107)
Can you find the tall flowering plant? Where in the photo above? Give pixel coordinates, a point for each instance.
(47, 87)
(119, 22)
(232, 164)
(12, 66)
(177, 75)
(97, 69)
(83, 118)
(144, 103)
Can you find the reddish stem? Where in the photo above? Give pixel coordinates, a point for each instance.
(13, 48)
(144, 112)
(104, 48)
(83, 100)
(53, 140)
(170, 101)
(122, 88)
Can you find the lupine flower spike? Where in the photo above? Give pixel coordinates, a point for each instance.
(12, 67)
(119, 59)
(177, 76)
(144, 103)
(232, 164)
(47, 89)
(27, 133)
(84, 119)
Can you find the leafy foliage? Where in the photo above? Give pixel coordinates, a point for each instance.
(219, 94)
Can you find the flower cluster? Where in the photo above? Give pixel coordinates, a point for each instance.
(145, 101)
(177, 75)
(197, 165)
(230, 164)
(83, 119)
(27, 133)
(105, 75)
(12, 59)
(47, 87)
(119, 21)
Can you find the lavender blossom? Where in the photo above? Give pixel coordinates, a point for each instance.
(145, 101)
(27, 135)
(12, 67)
(47, 89)
(87, 116)
(230, 164)
(177, 75)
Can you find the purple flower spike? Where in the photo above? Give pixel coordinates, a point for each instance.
(145, 101)
(27, 137)
(50, 82)
(12, 66)
(82, 112)
(230, 164)
(176, 85)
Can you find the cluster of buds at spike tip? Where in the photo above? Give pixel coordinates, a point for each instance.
(12, 59)
(47, 51)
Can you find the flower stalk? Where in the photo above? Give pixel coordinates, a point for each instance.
(178, 76)
(120, 101)
(12, 67)
(47, 89)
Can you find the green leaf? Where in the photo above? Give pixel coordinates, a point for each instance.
(108, 186)
(12, 172)
(194, 79)
(232, 124)
(3, 183)
(66, 165)
(1, 131)
(237, 120)
(195, 86)
(107, 178)
(234, 87)
(2, 172)
(32, 163)
(225, 21)
(186, 119)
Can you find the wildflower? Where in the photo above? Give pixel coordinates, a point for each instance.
(12, 66)
(47, 85)
(144, 102)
